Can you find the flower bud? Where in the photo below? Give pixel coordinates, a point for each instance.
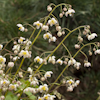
(61, 15)
(11, 64)
(58, 28)
(49, 8)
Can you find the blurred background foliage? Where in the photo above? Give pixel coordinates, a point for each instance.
(13, 12)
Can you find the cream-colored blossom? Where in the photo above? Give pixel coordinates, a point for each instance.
(25, 54)
(52, 59)
(48, 74)
(21, 28)
(97, 51)
(77, 65)
(13, 87)
(92, 36)
(47, 35)
(70, 12)
(71, 61)
(37, 24)
(43, 88)
(1, 46)
(45, 27)
(38, 60)
(21, 39)
(52, 39)
(52, 21)
(87, 64)
(59, 61)
(2, 60)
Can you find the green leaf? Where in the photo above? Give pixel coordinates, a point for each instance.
(11, 96)
(30, 95)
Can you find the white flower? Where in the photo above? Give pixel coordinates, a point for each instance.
(71, 61)
(37, 24)
(49, 8)
(59, 34)
(77, 46)
(53, 39)
(70, 81)
(12, 87)
(70, 88)
(92, 36)
(2, 97)
(1, 46)
(45, 27)
(21, 39)
(47, 35)
(32, 90)
(20, 74)
(15, 58)
(87, 64)
(70, 12)
(4, 83)
(16, 47)
(59, 61)
(2, 60)
(77, 65)
(29, 70)
(35, 82)
(97, 51)
(52, 59)
(48, 74)
(40, 98)
(49, 97)
(52, 21)
(76, 83)
(38, 60)
(27, 42)
(11, 64)
(43, 88)
(21, 28)
(25, 54)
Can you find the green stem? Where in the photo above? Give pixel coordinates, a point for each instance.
(84, 54)
(67, 50)
(19, 68)
(67, 65)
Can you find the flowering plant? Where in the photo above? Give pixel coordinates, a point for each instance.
(33, 83)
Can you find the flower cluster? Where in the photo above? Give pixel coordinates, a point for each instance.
(34, 79)
(71, 84)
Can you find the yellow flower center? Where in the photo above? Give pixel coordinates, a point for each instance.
(38, 24)
(21, 40)
(69, 82)
(40, 99)
(59, 62)
(24, 53)
(43, 88)
(38, 60)
(12, 87)
(47, 36)
(1, 59)
(4, 82)
(52, 22)
(0, 46)
(46, 97)
(20, 28)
